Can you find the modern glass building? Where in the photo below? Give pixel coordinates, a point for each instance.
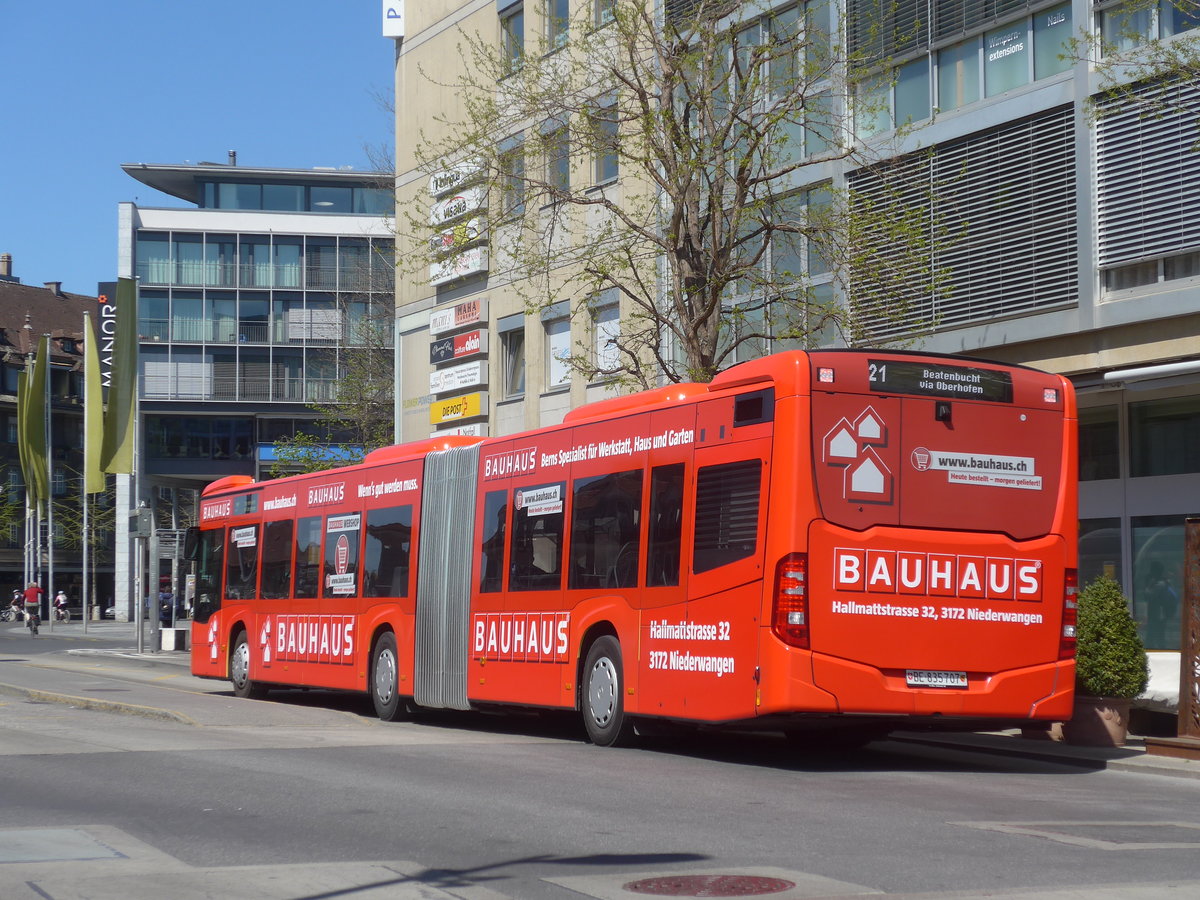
(251, 300)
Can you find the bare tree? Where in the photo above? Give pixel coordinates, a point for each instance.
(683, 165)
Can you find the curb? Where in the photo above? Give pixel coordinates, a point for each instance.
(148, 712)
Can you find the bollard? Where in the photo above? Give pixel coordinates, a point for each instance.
(95, 614)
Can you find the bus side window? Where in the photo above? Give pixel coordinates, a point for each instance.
(666, 525)
(727, 502)
(385, 563)
(495, 516)
(209, 563)
(605, 515)
(277, 560)
(241, 563)
(308, 557)
(537, 540)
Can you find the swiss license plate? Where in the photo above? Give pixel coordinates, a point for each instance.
(926, 678)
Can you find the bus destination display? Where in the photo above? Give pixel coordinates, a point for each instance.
(932, 380)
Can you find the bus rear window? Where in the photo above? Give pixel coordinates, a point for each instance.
(727, 502)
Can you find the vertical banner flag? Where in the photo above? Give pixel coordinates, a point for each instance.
(31, 424)
(93, 410)
(117, 455)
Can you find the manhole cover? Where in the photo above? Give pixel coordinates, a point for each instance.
(709, 886)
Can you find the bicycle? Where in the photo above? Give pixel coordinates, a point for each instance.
(8, 614)
(62, 614)
(32, 620)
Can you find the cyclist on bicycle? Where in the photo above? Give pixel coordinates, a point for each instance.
(33, 602)
(60, 607)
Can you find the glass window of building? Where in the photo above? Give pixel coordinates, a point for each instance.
(820, 125)
(1099, 549)
(154, 257)
(354, 264)
(958, 74)
(1157, 551)
(512, 351)
(1177, 16)
(286, 255)
(558, 352)
(188, 251)
(873, 105)
(286, 197)
(321, 264)
(233, 195)
(606, 327)
(220, 260)
(153, 316)
(1099, 444)
(512, 36)
(1124, 26)
(1185, 265)
(222, 314)
(1164, 437)
(605, 133)
(255, 257)
(512, 177)
(605, 10)
(558, 16)
(330, 199)
(558, 160)
(187, 318)
(1006, 58)
(375, 201)
(1051, 41)
(912, 91)
(254, 310)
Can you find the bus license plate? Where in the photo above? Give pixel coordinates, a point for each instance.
(931, 679)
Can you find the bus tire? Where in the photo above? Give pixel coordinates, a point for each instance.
(385, 679)
(603, 701)
(239, 671)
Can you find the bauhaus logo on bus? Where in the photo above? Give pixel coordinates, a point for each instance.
(522, 636)
(936, 574)
(319, 639)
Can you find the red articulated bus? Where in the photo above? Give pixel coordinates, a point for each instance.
(856, 538)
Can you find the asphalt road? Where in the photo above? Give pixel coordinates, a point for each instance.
(188, 792)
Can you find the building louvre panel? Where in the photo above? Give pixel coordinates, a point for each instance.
(1005, 200)
(1147, 189)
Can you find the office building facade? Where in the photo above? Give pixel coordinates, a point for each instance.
(1073, 216)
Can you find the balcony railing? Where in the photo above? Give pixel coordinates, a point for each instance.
(289, 330)
(163, 385)
(291, 276)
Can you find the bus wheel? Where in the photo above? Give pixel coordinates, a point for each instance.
(239, 671)
(603, 695)
(385, 682)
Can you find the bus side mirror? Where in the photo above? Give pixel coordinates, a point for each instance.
(191, 543)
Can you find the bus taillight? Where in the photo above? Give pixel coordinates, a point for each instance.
(1066, 646)
(789, 616)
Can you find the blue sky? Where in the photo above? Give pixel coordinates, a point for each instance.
(87, 86)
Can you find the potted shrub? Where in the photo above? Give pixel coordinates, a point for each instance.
(1110, 666)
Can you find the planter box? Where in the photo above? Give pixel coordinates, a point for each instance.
(1098, 722)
